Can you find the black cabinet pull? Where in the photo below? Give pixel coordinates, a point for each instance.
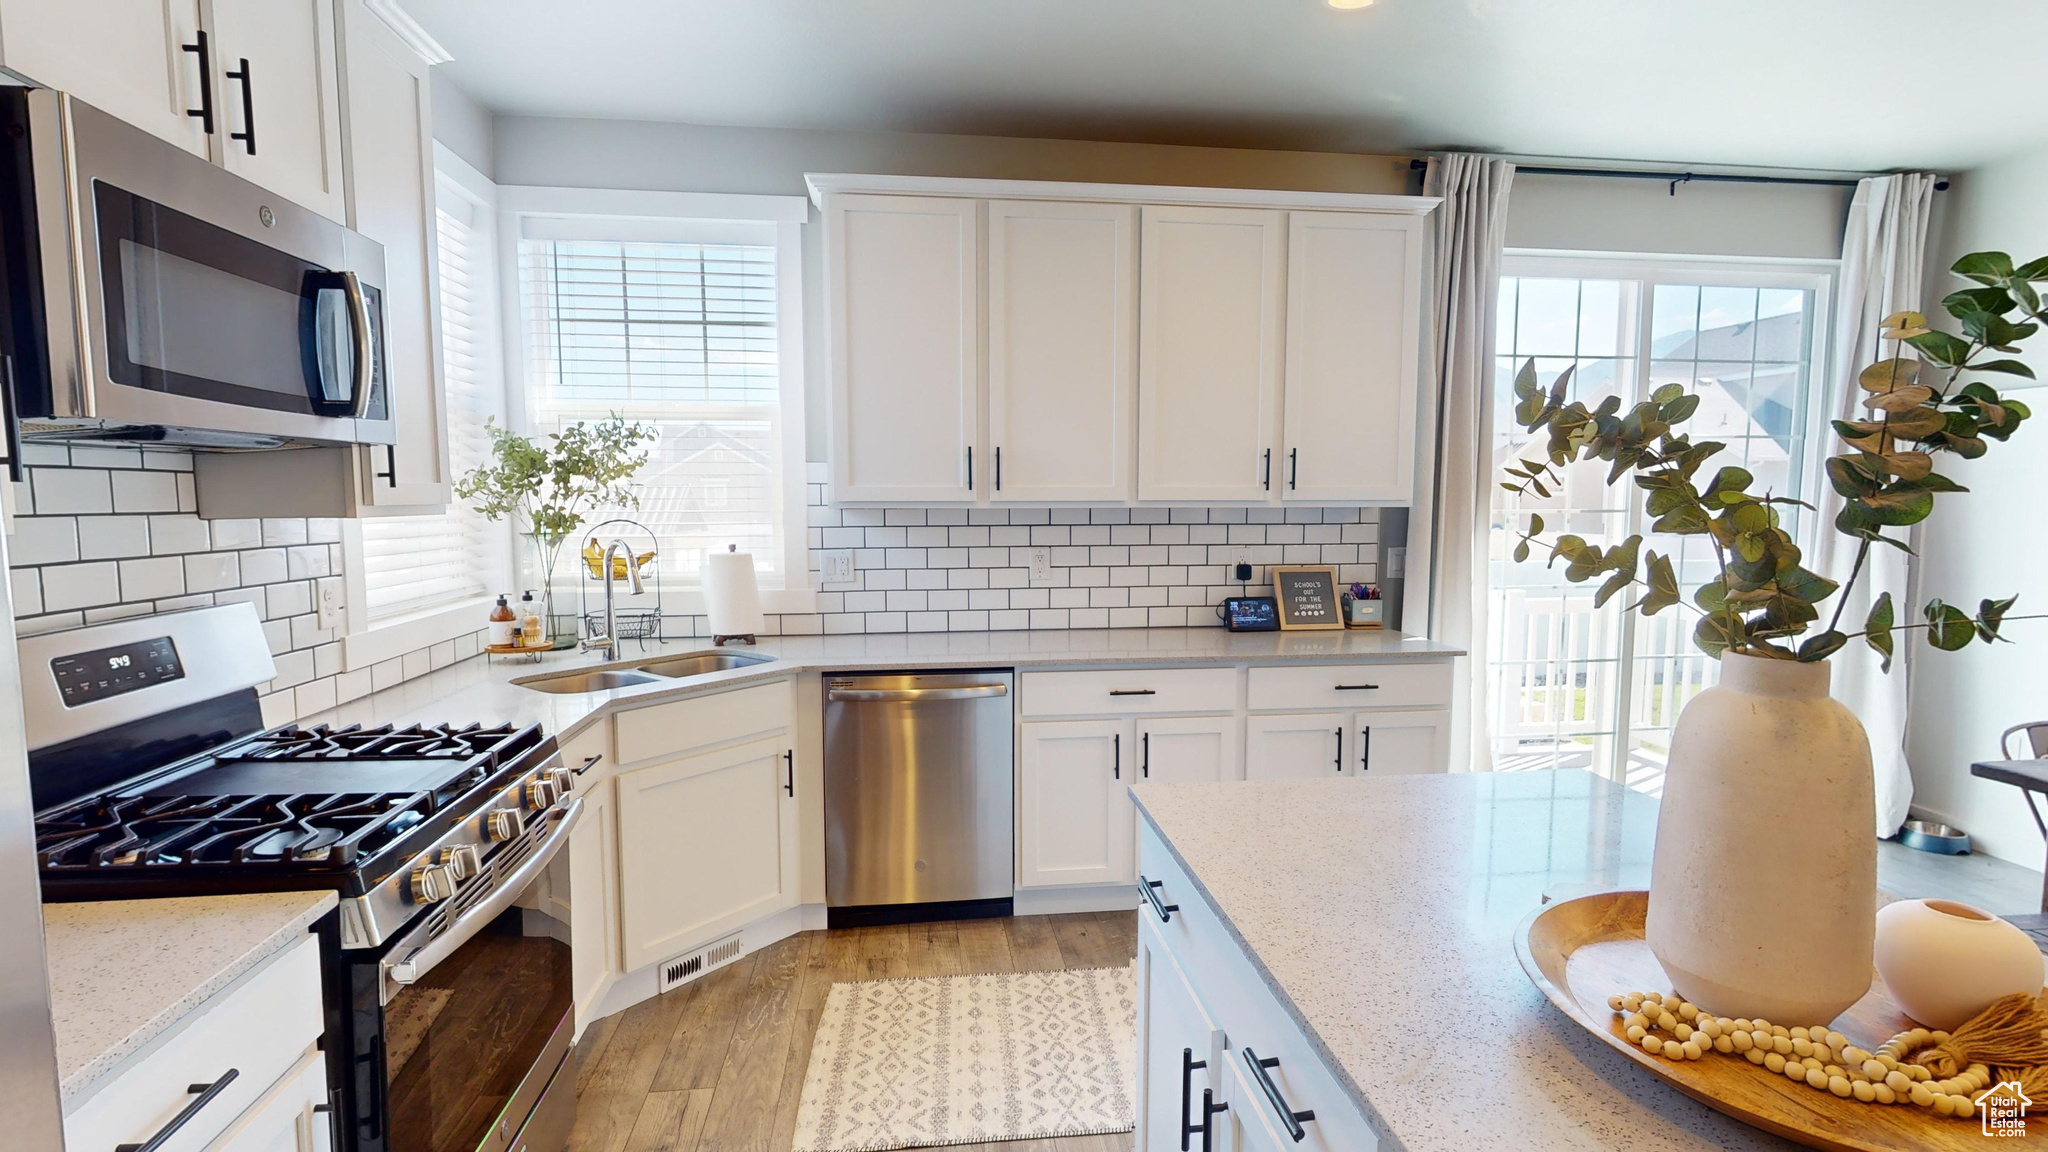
(999, 467)
(1365, 748)
(589, 762)
(1288, 1116)
(205, 1094)
(1145, 755)
(1188, 1064)
(1266, 479)
(970, 467)
(1358, 687)
(390, 473)
(1116, 755)
(1340, 751)
(248, 133)
(1291, 468)
(10, 418)
(1134, 691)
(205, 110)
(1165, 911)
(333, 1110)
(789, 783)
(1209, 1109)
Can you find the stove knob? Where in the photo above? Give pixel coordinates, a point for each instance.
(461, 860)
(563, 780)
(431, 884)
(540, 794)
(501, 824)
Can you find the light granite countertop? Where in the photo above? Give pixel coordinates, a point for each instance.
(482, 691)
(1382, 914)
(123, 972)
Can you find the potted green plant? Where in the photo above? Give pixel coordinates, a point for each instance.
(1763, 883)
(552, 486)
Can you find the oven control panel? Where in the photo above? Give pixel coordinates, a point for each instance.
(87, 676)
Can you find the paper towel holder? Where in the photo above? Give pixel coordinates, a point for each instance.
(718, 641)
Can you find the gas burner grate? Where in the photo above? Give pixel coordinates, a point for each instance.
(323, 830)
(384, 742)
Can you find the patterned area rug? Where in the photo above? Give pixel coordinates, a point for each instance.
(941, 1060)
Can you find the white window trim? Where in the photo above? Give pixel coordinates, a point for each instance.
(366, 643)
(598, 214)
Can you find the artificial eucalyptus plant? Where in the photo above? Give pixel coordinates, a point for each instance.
(552, 486)
(1764, 598)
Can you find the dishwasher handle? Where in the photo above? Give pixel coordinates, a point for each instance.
(971, 692)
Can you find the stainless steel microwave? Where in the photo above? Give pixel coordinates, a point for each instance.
(150, 296)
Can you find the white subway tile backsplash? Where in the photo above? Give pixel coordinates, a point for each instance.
(210, 571)
(112, 537)
(68, 491)
(178, 533)
(43, 540)
(67, 586)
(139, 491)
(152, 579)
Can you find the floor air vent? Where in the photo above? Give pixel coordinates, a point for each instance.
(682, 969)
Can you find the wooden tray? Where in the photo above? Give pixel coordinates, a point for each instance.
(1581, 951)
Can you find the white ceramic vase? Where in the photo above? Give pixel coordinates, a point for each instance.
(1945, 962)
(1763, 887)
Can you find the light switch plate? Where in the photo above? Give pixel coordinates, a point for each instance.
(1041, 566)
(327, 601)
(1397, 563)
(835, 566)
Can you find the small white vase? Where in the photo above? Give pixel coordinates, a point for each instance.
(1763, 885)
(1945, 962)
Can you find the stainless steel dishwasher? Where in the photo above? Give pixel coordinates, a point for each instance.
(917, 797)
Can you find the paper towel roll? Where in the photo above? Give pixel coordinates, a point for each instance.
(732, 600)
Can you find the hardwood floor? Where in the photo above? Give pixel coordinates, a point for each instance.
(718, 1064)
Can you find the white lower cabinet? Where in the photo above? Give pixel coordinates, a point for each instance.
(1186, 749)
(1201, 1000)
(292, 1118)
(1309, 745)
(1295, 746)
(1399, 743)
(707, 844)
(1072, 804)
(594, 900)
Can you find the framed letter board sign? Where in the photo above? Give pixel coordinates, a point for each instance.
(1308, 598)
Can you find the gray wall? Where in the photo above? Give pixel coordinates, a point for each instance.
(462, 124)
(1704, 218)
(1986, 543)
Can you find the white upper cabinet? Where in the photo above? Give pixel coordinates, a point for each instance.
(1209, 353)
(1354, 287)
(1062, 350)
(277, 85)
(902, 280)
(389, 130)
(140, 60)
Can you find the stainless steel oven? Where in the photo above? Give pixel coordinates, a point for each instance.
(152, 296)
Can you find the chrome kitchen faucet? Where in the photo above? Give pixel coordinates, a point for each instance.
(609, 641)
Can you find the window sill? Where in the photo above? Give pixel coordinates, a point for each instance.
(394, 636)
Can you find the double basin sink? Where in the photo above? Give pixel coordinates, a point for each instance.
(629, 675)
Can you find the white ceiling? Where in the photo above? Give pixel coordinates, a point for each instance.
(1832, 84)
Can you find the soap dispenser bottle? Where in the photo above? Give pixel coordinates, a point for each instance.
(505, 625)
(529, 621)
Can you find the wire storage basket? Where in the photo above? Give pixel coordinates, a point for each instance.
(638, 618)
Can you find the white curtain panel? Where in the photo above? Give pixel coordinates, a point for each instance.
(1471, 227)
(1883, 252)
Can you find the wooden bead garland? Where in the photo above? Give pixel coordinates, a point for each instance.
(1666, 1025)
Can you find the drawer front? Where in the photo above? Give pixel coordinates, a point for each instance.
(664, 730)
(260, 1030)
(1237, 1000)
(1310, 688)
(578, 751)
(1137, 692)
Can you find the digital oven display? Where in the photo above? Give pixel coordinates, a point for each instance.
(89, 676)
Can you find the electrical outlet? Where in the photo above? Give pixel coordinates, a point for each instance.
(1241, 570)
(1397, 563)
(1041, 566)
(836, 566)
(327, 601)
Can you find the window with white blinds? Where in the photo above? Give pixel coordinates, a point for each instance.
(417, 563)
(684, 335)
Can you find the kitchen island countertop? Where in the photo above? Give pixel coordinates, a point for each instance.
(123, 972)
(1382, 915)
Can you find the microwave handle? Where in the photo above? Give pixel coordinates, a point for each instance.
(359, 329)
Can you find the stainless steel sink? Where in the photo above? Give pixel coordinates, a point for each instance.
(698, 663)
(596, 680)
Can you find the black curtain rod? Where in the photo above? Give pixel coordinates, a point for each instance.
(1674, 179)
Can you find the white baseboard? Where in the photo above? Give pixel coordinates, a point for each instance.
(1092, 898)
(633, 987)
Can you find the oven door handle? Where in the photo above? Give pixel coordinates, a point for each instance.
(421, 960)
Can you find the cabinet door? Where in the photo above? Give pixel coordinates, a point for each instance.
(1076, 815)
(1354, 288)
(1400, 743)
(124, 57)
(1297, 746)
(594, 901)
(901, 276)
(275, 65)
(1174, 1035)
(1209, 352)
(1062, 350)
(285, 1120)
(705, 846)
(388, 127)
(1180, 749)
